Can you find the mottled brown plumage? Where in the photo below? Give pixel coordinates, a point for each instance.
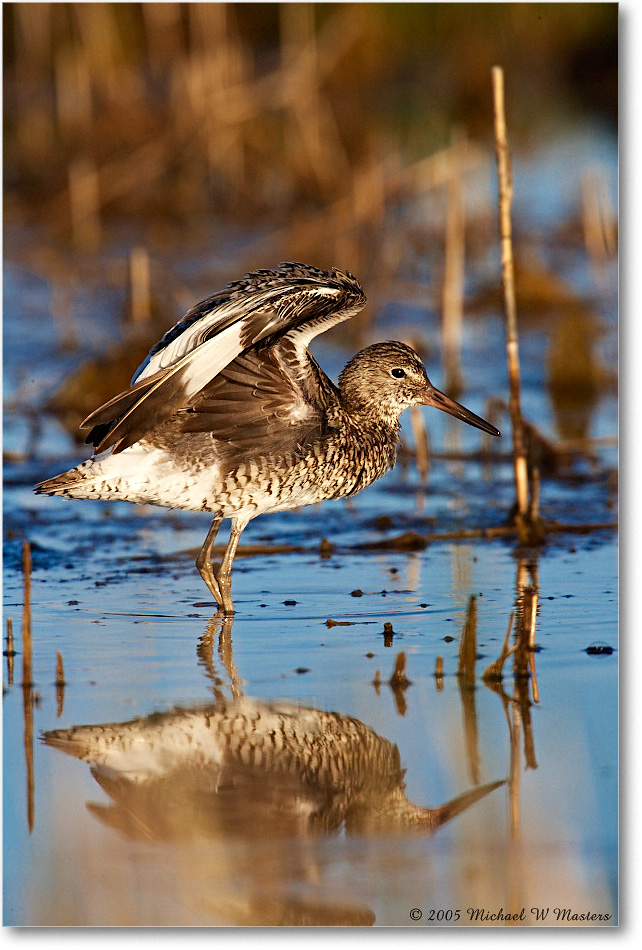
(231, 414)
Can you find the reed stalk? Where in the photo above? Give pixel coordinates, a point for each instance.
(27, 683)
(533, 509)
(84, 200)
(60, 669)
(10, 651)
(27, 709)
(453, 286)
(139, 282)
(466, 677)
(468, 646)
(514, 770)
(599, 237)
(504, 174)
(494, 672)
(398, 678)
(422, 442)
(27, 680)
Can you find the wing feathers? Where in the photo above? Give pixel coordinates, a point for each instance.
(120, 404)
(283, 290)
(173, 388)
(295, 300)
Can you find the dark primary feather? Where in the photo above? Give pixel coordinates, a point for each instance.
(294, 302)
(104, 418)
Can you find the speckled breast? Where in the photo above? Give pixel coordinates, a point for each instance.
(334, 467)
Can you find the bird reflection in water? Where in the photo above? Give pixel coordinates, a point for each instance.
(248, 767)
(252, 768)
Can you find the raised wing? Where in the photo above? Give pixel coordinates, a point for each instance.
(295, 299)
(265, 402)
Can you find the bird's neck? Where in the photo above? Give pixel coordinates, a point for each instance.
(367, 429)
(372, 416)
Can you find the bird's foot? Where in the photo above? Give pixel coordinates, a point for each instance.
(224, 583)
(207, 573)
(218, 579)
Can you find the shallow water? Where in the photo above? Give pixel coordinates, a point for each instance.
(139, 645)
(179, 815)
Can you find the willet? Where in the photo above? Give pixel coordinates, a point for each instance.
(249, 765)
(231, 414)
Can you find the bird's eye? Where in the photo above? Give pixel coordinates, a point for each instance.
(398, 373)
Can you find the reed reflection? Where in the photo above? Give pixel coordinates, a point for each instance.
(466, 677)
(517, 706)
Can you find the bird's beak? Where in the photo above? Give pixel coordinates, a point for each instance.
(440, 401)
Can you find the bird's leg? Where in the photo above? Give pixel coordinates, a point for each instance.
(224, 575)
(204, 561)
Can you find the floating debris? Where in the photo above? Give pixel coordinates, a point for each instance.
(408, 541)
(599, 649)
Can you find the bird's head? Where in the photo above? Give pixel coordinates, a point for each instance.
(384, 379)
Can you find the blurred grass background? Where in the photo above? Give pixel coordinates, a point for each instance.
(177, 112)
(156, 150)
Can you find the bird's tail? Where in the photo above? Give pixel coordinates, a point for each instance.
(72, 484)
(139, 475)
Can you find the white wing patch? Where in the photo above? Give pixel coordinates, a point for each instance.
(192, 337)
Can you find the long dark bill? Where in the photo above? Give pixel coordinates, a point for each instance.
(440, 401)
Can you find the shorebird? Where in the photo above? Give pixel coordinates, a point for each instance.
(244, 766)
(230, 413)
